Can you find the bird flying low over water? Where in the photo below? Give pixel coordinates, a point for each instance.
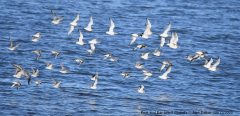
(79, 60)
(55, 52)
(147, 73)
(165, 33)
(198, 55)
(164, 76)
(11, 47)
(35, 39)
(90, 51)
(74, 23)
(16, 83)
(94, 86)
(157, 53)
(145, 55)
(56, 84)
(63, 69)
(173, 42)
(106, 56)
(134, 37)
(89, 27)
(125, 75)
(37, 82)
(169, 63)
(139, 65)
(55, 19)
(140, 89)
(114, 59)
(208, 63)
(35, 73)
(38, 52)
(28, 77)
(94, 76)
(94, 41)
(190, 57)
(80, 40)
(110, 31)
(149, 25)
(214, 67)
(140, 46)
(19, 71)
(49, 65)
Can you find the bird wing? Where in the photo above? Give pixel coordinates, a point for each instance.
(163, 65)
(55, 82)
(217, 63)
(11, 43)
(39, 54)
(55, 16)
(145, 78)
(33, 70)
(13, 85)
(95, 83)
(62, 66)
(112, 25)
(90, 22)
(92, 46)
(138, 87)
(168, 71)
(81, 36)
(61, 18)
(59, 82)
(77, 18)
(172, 39)
(168, 29)
(133, 39)
(71, 29)
(162, 42)
(146, 30)
(176, 39)
(149, 24)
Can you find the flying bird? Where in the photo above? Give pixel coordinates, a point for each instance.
(56, 84)
(89, 27)
(74, 23)
(63, 69)
(140, 89)
(38, 52)
(110, 31)
(11, 47)
(16, 83)
(55, 19)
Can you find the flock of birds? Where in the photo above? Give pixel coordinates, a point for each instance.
(172, 43)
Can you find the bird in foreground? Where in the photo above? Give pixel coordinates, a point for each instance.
(38, 52)
(157, 53)
(56, 84)
(145, 33)
(140, 89)
(63, 69)
(173, 42)
(49, 65)
(28, 77)
(94, 41)
(94, 76)
(89, 27)
(169, 63)
(37, 82)
(208, 63)
(145, 55)
(35, 39)
(147, 73)
(106, 56)
(164, 76)
(90, 51)
(198, 55)
(110, 31)
(16, 82)
(126, 75)
(74, 23)
(134, 37)
(55, 19)
(214, 67)
(139, 65)
(19, 71)
(79, 60)
(55, 52)
(114, 59)
(140, 46)
(11, 46)
(35, 73)
(80, 40)
(94, 86)
(165, 33)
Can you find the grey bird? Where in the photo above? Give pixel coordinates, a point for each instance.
(16, 82)
(56, 84)
(37, 82)
(38, 52)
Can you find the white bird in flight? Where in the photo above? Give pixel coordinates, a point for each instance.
(49, 65)
(94, 86)
(55, 19)
(35, 73)
(165, 33)
(80, 40)
(11, 47)
(164, 76)
(214, 67)
(63, 69)
(56, 84)
(173, 42)
(74, 23)
(110, 31)
(140, 89)
(89, 27)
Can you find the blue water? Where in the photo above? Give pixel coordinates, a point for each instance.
(211, 26)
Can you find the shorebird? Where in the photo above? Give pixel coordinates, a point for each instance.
(114, 59)
(208, 63)
(189, 57)
(63, 69)
(55, 19)
(56, 84)
(37, 35)
(90, 51)
(140, 46)
(16, 82)
(134, 37)
(214, 67)
(162, 42)
(79, 60)
(140, 89)
(157, 53)
(145, 33)
(89, 27)
(37, 82)
(110, 31)
(198, 55)
(94, 86)
(139, 65)
(49, 65)
(169, 63)
(74, 23)
(11, 46)
(94, 76)
(80, 40)
(145, 55)
(164, 76)
(35, 39)
(94, 41)
(166, 31)
(147, 73)
(126, 75)
(92, 46)
(35, 73)
(173, 42)
(19, 71)
(55, 52)
(106, 56)
(28, 77)
(38, 52)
